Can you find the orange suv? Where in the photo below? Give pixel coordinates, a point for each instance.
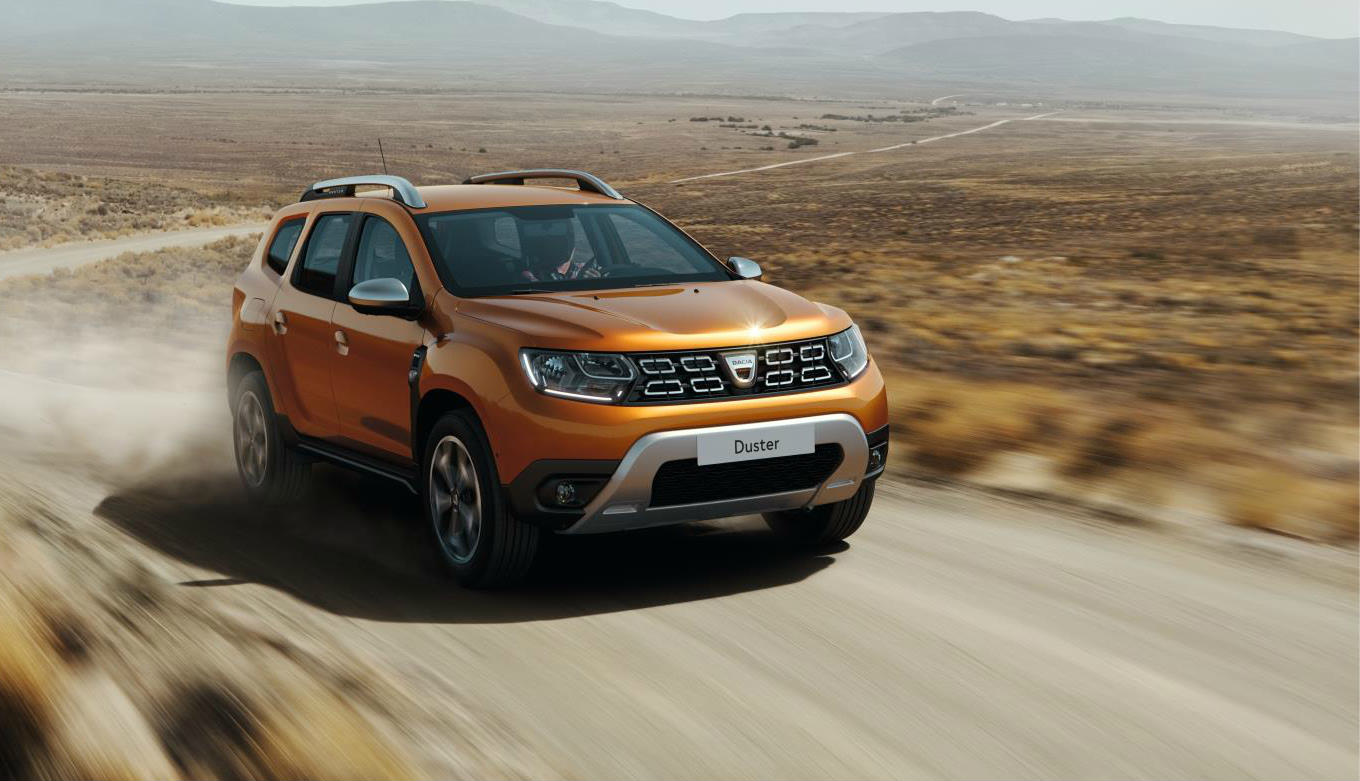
(535, 359)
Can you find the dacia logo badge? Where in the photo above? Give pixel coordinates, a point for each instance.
(742, 367)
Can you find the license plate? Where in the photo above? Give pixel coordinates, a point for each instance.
(722, 447)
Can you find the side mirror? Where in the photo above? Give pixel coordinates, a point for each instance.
(745, 267)
(385, 296)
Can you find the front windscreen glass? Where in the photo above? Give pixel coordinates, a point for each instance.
(488, 252)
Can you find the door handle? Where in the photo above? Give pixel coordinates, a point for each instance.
(341, 343)
(280, 322)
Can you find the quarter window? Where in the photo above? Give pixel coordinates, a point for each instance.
(321, 257)
(281, 248)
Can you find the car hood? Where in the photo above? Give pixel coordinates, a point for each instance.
(672, 317)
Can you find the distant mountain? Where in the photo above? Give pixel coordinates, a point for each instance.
(1203, 33)
(779, 21)
(887, 32)
(1122, 66)
(602, 17)
(882, 33)
(1319, 53)
(614, 19)
(422, 30)
(597, 45)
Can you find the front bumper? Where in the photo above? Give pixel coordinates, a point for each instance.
(526, 426)
(625, 501)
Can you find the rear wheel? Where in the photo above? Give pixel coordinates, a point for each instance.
(270, 471)
(826, 523)
(470, 528)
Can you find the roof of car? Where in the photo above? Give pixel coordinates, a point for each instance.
(455, 197)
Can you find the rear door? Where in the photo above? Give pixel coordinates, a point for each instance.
(369, 371)
(302, 325)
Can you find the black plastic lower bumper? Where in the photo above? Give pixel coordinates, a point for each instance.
(878, 451)
(526, 494)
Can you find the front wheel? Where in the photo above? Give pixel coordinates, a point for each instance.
(826, 523)
(471, 531)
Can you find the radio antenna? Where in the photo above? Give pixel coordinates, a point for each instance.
(383, 156)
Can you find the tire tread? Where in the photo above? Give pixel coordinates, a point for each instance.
(825, 524)
(288, 472)
(513, 543)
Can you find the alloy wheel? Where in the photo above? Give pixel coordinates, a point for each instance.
(252, 439)
(455, 499)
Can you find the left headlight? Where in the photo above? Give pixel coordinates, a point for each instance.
(599, 377)
(849, 352)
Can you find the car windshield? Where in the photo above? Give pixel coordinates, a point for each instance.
(489, 252)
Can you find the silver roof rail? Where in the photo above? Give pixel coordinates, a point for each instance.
(587, 182)
(402, 190)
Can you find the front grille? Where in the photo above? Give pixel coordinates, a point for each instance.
(704, 375)
(685, 482)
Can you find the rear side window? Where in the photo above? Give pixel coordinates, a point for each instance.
(281, 248)
(382, 255)
(321, 257)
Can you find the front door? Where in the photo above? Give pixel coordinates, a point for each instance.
(303, 310)
(369, 371)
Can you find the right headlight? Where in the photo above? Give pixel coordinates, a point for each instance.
(599, 377)
(849, 352)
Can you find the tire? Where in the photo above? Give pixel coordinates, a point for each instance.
(471, 531)
(271, 472)
(824, 524)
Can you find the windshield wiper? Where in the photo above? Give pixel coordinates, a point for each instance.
(528, 291)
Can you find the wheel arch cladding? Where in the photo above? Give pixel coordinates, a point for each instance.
(242, 363)
(434, 405)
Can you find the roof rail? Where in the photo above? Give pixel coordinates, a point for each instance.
(402, 190)
(587, 182)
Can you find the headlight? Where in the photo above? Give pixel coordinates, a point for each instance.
(599, 377)
(849, 352)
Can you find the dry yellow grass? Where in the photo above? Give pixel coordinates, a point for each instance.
(28, 672)
(1147, 455)
(45, 208)
(153, 688)
(1289, 503)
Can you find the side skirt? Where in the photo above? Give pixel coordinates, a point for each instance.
(407, 476)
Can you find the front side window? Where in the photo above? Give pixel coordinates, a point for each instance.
(321, 257)
(281, 248)
(568, 247)
(382, 255)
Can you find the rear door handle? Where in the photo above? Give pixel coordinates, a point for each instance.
(280, 322)
(341, 343)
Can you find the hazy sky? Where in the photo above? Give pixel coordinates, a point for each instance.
(1327, 18)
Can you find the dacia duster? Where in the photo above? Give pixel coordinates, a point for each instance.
(537, 359)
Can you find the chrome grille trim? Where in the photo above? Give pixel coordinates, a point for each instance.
(703, 375)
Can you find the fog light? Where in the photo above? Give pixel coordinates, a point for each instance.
(877, 457)
(567, 492)
(565, 495)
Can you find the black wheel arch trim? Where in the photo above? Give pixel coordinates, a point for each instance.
(413, 380)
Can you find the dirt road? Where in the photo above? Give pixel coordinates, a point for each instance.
(954, 637)
(957, 635)
(44, 260)
(893, 147)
